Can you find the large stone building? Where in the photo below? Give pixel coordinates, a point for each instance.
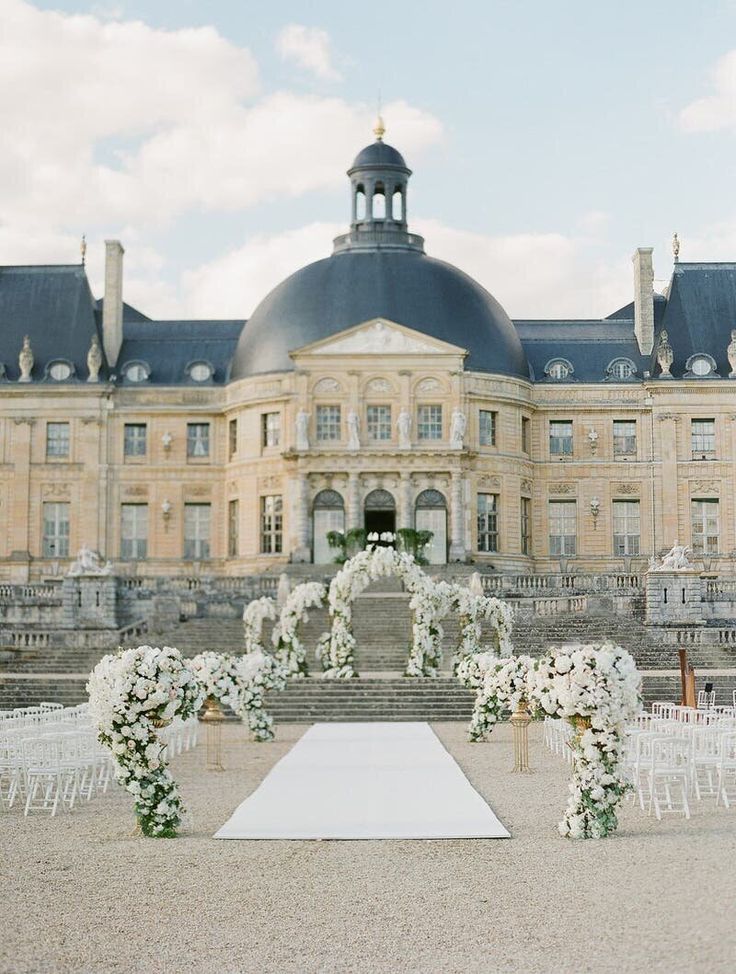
(376, 388)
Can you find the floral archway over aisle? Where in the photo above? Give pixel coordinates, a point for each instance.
(289, 649)
(429, 602)
(474, 610)
(254, 615)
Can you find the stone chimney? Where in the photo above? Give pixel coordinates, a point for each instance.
(112, 306)
(644, 299)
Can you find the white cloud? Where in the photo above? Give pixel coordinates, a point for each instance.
(717, 110)
(310, 48)
(115, 122)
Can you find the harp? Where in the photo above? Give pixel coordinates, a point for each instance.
(687, 677)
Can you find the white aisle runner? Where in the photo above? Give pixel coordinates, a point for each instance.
(365, 781)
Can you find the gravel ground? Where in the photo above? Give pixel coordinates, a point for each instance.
(82, 893)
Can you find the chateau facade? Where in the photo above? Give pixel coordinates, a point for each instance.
(379, 389)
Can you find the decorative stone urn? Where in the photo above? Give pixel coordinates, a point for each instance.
(665, 355)
(94, 360)
(26, 360)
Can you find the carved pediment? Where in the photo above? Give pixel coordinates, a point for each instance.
(380, 337)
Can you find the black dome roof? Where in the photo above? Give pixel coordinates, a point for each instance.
(378, 155)
(407, 287)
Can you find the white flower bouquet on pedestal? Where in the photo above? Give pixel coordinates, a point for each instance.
(598, 689)
(132, 693)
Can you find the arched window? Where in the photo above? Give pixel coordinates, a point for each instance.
(328, 514)
(360, 203)
(200, 371)
(700, 365)
(60, 370)
(621, 368)
(397, 206)
(558, 368)
(430, 514)
(379, 202)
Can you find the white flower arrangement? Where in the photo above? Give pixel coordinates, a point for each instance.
(131, 694)
(428, 603)
(289, 649)
(256, 673)
(598, 689)
(254, 615)
(474, 610)
(217, 674)
(501, 684)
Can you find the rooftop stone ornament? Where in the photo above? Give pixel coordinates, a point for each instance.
(731, 353)
(26, 360)
(665, 355)
(94, 360)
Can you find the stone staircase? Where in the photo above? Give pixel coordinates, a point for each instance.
(382, 627)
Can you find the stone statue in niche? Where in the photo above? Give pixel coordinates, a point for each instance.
(458, 426)
(89, 562)
(26, 360)
(403, 425)
(731, 352)
(353, 430)
(94, 360)
(302, 430)
(665, 355)
(676, 559)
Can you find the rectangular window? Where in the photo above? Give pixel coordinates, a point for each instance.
(270, 429)
(134, 440)
(704, 523)
(560, 438)
(487, 522)
(626, 528)
(525, 428)
(197, 531)
(703, 435)
(55, 530)
(429, 422)
(526, 526)
(487, 427)
(233, 528)
(272, 524)
(328, 422)
(232, 438)
(133, 531)
(624, 437)
(57, 440)
(198, 440)
(378, 421)
(563, 527)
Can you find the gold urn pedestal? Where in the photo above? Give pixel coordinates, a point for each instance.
(520, 720)
(212, 719)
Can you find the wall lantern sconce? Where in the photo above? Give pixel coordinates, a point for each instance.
(166, 513)
(595, 510)
(167, 440)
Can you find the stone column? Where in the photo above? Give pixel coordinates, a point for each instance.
(670, 528)
(405, 512)
(302, 553)
(354, 513)
(457, 533)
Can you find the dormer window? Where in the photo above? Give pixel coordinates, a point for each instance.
(700, 365)
(136, 372)
(60, 370)
(621, 368)
(558, 369)
(200, 371)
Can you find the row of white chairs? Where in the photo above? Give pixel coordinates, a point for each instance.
(50, 757)
(671, 756)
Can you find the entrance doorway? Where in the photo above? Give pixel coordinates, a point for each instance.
(380, 512)
(431, 515)
(328, 514)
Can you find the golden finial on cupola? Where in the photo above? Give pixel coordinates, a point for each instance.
(379, 129)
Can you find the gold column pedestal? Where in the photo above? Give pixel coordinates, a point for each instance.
(520, 721)
(212, 720)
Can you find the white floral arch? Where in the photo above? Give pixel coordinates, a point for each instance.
(429, 602)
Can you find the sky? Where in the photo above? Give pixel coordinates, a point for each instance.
(547, 140)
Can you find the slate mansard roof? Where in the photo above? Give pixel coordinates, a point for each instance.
(53, 304)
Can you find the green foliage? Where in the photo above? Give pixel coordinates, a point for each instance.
(413, 543)
(348, 543)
